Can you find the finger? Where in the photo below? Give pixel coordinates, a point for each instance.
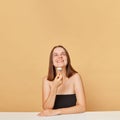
(60, 77)
(40, 114)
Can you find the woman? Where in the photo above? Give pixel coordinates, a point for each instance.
(62, 89)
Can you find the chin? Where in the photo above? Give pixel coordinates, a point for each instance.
(60, 65)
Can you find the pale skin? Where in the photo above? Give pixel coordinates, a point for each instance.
(62, 85)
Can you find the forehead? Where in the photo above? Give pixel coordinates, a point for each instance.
(58, 50)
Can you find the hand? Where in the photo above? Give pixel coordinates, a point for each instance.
(58, 80)
(48, 112)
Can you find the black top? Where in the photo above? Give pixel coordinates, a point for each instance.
(63, 101)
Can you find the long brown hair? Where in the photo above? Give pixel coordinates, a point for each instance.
(51, 70)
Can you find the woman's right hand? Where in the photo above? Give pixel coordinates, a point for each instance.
(58, 80)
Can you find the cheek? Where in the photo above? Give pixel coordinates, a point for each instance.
(53, 61)
(65, 60)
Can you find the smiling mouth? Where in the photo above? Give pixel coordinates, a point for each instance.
(60, 61)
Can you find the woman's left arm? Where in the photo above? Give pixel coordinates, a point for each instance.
(80, 95)
(80, 104)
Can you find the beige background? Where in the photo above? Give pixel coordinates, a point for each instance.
(90, 31)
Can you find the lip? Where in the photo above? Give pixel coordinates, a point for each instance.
(60, 61)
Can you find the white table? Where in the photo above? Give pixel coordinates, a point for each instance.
(94, 115)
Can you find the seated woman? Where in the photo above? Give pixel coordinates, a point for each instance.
(62, 88)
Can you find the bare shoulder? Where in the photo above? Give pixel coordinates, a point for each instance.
(44, 79)
(76, 78)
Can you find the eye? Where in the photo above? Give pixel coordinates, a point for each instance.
(55, 54)
(63, 53)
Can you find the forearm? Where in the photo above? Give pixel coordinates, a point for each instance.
(49, 103)
(71, 110)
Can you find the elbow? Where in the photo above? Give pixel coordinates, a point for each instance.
(82, 109)
(46, 107)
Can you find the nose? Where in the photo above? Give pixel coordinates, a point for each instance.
(59, 56)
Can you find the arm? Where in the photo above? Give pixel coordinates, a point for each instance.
(49, 93)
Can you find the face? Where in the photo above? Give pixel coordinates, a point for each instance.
(59, 57)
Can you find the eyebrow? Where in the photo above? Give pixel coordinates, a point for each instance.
(61, 52)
